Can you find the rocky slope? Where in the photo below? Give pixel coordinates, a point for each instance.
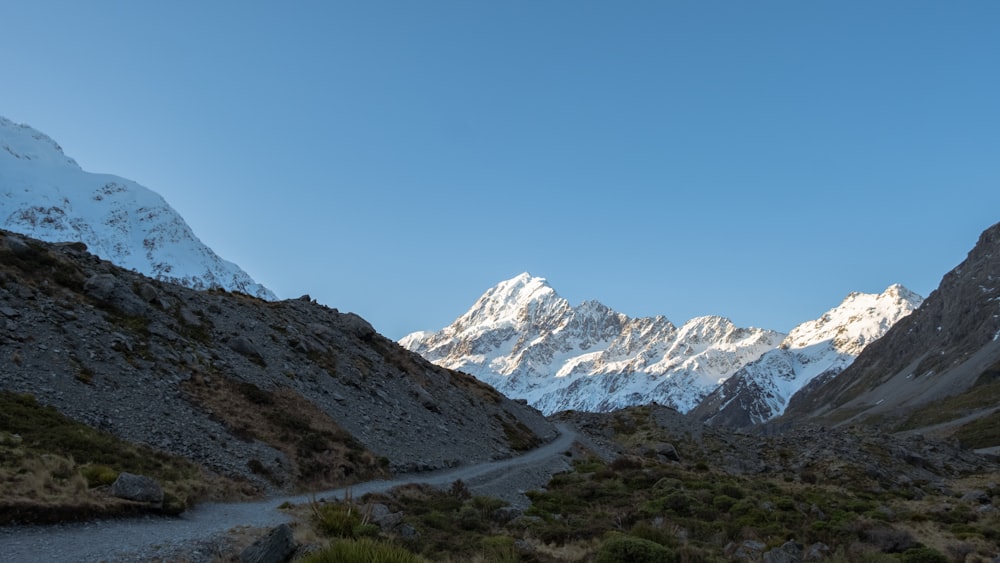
(938, 364)
(528, 342)
(815, 350)
(283, 394)
(46, 195)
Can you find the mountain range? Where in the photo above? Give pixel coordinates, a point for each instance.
(46, 195)
(524, 339)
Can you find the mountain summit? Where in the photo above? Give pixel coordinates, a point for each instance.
(815, 350)
(528, 342)
(46, 195)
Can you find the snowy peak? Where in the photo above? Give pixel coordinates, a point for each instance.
(529, 343)
(24, 143)
(46, 195)
(510, 302)
(814, 350)
(859, 320)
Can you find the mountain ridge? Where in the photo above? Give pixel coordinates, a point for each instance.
(947, 348)
(817, 349)
(524, 339)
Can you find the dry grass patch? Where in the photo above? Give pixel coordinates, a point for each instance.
(53, 468)
(322, 454)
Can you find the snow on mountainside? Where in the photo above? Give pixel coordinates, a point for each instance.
(46, 195)
(525, 340)
(819, 349)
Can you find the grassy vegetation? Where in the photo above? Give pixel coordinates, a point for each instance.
(364, 550)
(983, 395)
(981, 433)
(639, 508)
(50, 466)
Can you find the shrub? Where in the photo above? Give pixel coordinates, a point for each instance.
(923, 555)
(97, 475)
(626, 549)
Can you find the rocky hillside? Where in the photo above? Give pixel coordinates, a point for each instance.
(814, 350)
(288, 394)
(940, 364)
(528, 342)
(46, 195)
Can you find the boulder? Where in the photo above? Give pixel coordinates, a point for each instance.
(789, 552)
(107, 288)
(244, 346)
(817, 552)
(747, 550)
(360, 327)
(385, 518)
(16, 245)
(138, 488)
(667, 451)
(277, 546)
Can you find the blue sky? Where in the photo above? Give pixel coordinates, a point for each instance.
(757, 160)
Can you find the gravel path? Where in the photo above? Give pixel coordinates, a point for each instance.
(148, 538)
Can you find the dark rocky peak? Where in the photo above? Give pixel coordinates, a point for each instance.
(939, 351)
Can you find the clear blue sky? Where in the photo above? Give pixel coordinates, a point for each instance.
(757, 160)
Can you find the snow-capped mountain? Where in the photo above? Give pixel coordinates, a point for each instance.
(46, 195)
(814, 350)
(525, 340)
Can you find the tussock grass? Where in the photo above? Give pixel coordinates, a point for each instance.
(50, 467)
(364, 550)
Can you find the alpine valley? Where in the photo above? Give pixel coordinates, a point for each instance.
(528, 342)
(157, 393)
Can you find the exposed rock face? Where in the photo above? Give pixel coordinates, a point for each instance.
(529, 343)
(939, 350)
(814, 350)
(138, 488)
(158, 364)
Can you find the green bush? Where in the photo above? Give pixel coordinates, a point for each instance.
(626, 549)
(362, 550)
(923, 555)
(97, 475)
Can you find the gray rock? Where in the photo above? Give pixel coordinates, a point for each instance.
(16, 245)
(748, 550)
(789, 552)
(101, 286)
(138, 488)
(667, 451)
(189, 317)
(817, 552)
(277, 546)
(977, 497)
(107, 288)
(244, 346)
(385, 518)
(148, 293)
(407, 531)
(360, 327)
